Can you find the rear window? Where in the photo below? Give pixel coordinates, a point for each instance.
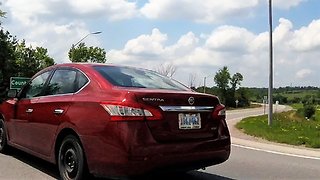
(138, 78)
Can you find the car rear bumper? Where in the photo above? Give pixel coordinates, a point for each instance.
(109, 160)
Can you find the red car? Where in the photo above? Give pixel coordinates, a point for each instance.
(112, 120)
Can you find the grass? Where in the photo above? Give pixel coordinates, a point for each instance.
(299, 94)
(297, 106)
(287, 127)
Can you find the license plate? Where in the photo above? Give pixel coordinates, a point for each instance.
(189, 121)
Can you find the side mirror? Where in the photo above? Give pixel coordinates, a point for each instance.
(12, 93)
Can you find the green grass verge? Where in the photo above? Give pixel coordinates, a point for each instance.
(297, 106)
(287, 127)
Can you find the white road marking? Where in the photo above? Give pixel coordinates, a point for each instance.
(275, 152)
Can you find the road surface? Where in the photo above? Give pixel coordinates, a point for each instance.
(245, 162)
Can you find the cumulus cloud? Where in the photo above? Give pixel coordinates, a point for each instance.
(32, 11)
(146, 44)
(204, 11)
(303, 73)
(285, 4)
(208, 11)
(307, 38)
(238, 48)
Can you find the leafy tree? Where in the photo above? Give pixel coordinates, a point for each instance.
(8, 45)
(227, 86)
(82, 53)
(236, 80)
(30, 60)
(18, 60)
(243, 95)
(222, 79)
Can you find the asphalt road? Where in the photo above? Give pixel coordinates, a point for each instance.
(244, 163)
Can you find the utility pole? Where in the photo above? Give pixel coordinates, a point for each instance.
(204, 84)
(270, 98)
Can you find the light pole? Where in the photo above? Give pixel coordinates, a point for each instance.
(97, 32)
(270, 99)
(204, 83)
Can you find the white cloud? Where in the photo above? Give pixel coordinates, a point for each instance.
(238, 48)
(307, 38)
(146, 45)
(208, 11)
(303, 73)
(230, 38)
(285, 4)
(204, 11)
(112, 9)
(32, 11)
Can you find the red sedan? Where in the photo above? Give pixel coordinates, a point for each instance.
(112, 120)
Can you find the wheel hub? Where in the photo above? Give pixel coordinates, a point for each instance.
(70, 161)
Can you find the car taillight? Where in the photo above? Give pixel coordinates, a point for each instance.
(219, 112)
(127, 113)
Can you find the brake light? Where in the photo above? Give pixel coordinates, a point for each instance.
(127, 113)
(219, 112)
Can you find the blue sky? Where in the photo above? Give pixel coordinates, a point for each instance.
(198, 37)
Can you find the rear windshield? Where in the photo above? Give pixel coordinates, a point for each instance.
(138, 78)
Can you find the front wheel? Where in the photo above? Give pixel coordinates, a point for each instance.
(3, 137)
(71, 161)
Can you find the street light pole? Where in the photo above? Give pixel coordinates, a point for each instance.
(204, 84)
(97, 32)
(270, 99)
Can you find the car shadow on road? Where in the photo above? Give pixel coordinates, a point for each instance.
(52, 170)
(37, 163)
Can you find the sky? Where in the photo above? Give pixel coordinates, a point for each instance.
(197, 37)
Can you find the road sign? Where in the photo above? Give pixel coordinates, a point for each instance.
(18, 82)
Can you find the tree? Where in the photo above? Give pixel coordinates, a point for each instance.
(236, 80)
(82, 53)
(8, 45)
(222, 79)
(227, 86)
(166, 69)
(18, 60)
(2, 14)
(30, 60)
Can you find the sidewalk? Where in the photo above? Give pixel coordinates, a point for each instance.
(243, 140)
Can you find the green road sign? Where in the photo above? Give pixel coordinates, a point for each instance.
(18, 82)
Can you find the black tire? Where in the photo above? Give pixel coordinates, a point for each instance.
(3, 137)
(71, 161)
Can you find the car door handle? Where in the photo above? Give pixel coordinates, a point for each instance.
(58, 111)
(29, 110)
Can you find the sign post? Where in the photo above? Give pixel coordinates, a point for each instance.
(18, 82)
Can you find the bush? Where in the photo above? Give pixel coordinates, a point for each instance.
(309, 111)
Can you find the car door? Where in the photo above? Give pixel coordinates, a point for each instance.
(24, 108)
(50, 110)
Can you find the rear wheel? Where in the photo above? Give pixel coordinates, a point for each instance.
(71, 161)
(3, 137)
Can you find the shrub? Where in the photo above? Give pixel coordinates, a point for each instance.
(309, 111)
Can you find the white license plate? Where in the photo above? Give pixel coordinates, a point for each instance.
(189, 121)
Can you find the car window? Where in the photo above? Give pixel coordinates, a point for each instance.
(62, 82)
(82, 80)
(65, 81)
(36, 85)
(139, 78)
